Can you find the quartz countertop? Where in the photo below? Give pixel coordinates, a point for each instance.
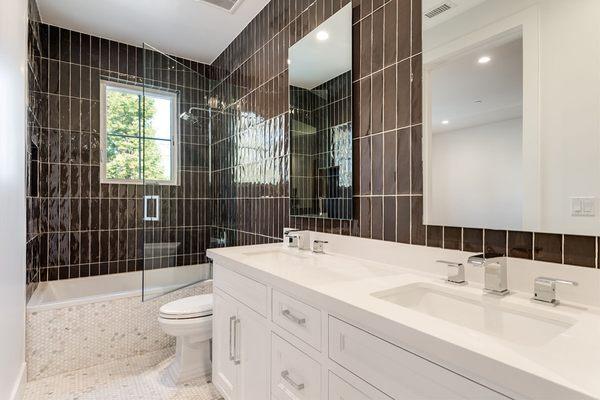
(565, 367)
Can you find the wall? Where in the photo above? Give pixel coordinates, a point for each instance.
(35, 112)
(13, 81)
(87, 228)
(466, 175)
(252, 136)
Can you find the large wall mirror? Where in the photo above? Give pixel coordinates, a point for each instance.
(320, 87)
(511, 106)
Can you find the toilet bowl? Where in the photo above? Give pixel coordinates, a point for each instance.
(190, 321)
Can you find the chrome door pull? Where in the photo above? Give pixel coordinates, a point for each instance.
(286, 376)
(156, 200)
(297, 320)
(231, 339)
(236, 347)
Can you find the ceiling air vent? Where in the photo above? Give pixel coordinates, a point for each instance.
(442, 8)
(228, 5)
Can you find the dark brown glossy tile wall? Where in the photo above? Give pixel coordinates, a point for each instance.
(88, 228)
(251, 139)
(34, 127)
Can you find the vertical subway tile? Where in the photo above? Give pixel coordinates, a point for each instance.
(548, 247)
(520, 245)
(580, 250)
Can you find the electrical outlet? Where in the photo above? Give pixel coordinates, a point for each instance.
(583, 206)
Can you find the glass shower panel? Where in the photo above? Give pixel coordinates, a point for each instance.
(176, 141)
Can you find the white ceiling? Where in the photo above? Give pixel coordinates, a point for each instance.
(186, 28)
(467, 93)
(313, 62)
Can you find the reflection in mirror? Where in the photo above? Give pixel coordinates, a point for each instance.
(321, 120)
(511, 126)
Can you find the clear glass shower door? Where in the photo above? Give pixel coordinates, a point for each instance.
(176, 130)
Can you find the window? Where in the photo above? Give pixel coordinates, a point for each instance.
(138, 145)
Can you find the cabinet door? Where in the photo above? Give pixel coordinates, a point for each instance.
(224, 366)
(253, 349)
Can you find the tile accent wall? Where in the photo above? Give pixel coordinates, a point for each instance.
(34, 127)
(251, 141)
(86, 228)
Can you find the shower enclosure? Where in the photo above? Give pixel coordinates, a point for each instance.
(175, 161)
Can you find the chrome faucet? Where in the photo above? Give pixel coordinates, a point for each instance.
(496, 272)
(544, 289)
(289, 238)
(456, 272)
(297, 238)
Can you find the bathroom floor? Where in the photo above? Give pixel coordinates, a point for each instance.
(143, 377)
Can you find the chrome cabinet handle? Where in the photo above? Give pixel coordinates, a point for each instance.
(236, 347)
(231, 339)
(156, 216)
(286, 376)
(297, 320)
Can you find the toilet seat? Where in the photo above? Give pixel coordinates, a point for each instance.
(188, 307)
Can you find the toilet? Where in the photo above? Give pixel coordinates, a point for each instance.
(190, 321)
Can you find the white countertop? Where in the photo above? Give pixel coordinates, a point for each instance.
(566, 367)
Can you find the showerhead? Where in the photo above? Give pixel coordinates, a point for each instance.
(188, 116)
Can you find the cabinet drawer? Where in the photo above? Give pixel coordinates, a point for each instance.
(339, 389)
(249, 292)
(297, 318)
(397, 372)
(294, 375)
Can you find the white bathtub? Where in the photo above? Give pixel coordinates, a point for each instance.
(78, 323)
(70, 292)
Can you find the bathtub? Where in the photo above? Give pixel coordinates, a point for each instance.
(79, 323)
(71, 292)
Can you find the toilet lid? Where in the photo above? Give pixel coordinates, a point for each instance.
(188, 307)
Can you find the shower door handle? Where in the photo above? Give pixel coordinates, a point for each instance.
(156, 216)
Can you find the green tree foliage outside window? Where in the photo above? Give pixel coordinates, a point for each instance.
(129, 155)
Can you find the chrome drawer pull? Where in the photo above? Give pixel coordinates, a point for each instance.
(288, 314)
(286, 376)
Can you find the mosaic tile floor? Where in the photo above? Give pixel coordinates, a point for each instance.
(143, 377)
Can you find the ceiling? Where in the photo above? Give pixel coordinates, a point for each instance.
(466, 93)
(185, 28)
(313, 62)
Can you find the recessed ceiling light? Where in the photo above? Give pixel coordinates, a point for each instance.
(484, 60)
(323, 35)
(445, 122)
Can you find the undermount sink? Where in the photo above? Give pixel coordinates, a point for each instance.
(519, 324)
(275, 253)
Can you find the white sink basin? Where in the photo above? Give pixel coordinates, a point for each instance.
(276, 253)
(519, 324)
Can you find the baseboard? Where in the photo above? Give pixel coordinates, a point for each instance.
(19, 389)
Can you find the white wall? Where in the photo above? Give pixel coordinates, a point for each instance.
(13, 53)
(474, 166)
(569, 102)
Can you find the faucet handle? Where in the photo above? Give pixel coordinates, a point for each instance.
(544, 289)
(318, 245)
(459, 276)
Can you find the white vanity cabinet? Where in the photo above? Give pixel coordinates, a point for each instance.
(240, 350)
(270, 343)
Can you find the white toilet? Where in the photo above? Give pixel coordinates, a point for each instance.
(190, 321)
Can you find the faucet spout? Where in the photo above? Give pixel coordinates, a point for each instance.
(496, 272)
